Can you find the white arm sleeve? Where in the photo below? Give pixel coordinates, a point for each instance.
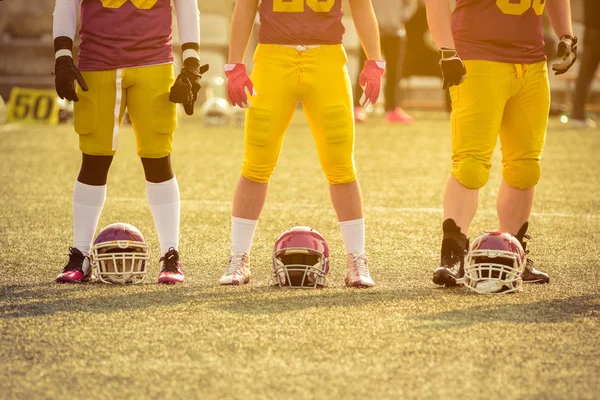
(188, 20)
(65, 18)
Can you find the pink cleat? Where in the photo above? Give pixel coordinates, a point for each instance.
(77, 270)
(171, 269)
(360, 115)
(398, 116)
(238, 269)
(357, 271)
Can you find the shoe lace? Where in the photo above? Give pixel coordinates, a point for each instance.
(530, 262)
(75, 260)
(451, 259)
(236, 261)
(171, 260)
(360, 264)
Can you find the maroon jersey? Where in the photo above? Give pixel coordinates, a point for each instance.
(301, 22)
(499, 30)
(125, 33)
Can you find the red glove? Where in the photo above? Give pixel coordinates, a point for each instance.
(370, 81)
(237, 83)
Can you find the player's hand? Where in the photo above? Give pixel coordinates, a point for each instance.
(66, 73)
(370, 81)
(453, 68)
(567, 50)
(238, 82)
(187, 85)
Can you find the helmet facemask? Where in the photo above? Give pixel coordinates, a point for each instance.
(300, 268)
(120, 261)
(493, 271)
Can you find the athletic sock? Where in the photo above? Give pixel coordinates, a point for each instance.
(353, 233)
(164, 201)
(242, 234)
(88, 202)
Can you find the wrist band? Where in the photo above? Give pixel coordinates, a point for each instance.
(190, 53)
(62, 53)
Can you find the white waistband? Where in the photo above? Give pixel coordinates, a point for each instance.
(302, 47)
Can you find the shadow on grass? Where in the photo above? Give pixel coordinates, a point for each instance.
(545, 312)
(33, 300)
(291, 300)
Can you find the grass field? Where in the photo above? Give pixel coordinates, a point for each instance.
(403, 339)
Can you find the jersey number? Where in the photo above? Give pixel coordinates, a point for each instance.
(141, 4)
(298, 5)
(514, 8)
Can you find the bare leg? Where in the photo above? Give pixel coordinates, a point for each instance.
(249, 199)
(347, 201)
(460, 204)
(514, 207)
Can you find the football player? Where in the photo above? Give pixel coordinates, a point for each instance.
(126, 62)
(299, 58)
(493, 61)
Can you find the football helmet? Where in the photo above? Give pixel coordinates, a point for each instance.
(120, 254)
(495, 264)
(301, 258)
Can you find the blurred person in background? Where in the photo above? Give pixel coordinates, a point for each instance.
(391, 16)
(589, 64)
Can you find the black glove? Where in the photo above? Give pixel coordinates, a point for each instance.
(453, 69)
(567, 50)
(186, 87)
(66, 73)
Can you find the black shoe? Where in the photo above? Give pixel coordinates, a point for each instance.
(452, 263)
(77, 270)
(530, 274)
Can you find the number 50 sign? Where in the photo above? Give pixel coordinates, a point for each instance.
(32, 106)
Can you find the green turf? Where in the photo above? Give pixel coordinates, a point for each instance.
(404, 339)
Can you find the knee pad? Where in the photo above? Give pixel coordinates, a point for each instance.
(340, 175)
(337, 122)
(522, 174)
(471, 172)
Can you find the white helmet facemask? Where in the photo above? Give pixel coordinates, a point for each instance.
(299, 268)
(493, 271)
(120, 261)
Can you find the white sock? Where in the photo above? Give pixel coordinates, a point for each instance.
(88, 201)
(353, 233)
(242, 233)
(164, 201)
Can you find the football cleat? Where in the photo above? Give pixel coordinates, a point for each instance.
(120, 255)
(531, 274)
(357, 271)
(77, 270)
(587, 123)
(495, 264)
(171, 269)
(360, 115)
(454, 249)
(238, 269)
(399, 116)
(300, 259)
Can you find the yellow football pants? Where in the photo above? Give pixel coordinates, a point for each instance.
(317, 77)
(509, 100)
(144, 91)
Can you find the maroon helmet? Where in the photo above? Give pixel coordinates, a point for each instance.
(495, 264)
(120, 254)
(301, 258)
